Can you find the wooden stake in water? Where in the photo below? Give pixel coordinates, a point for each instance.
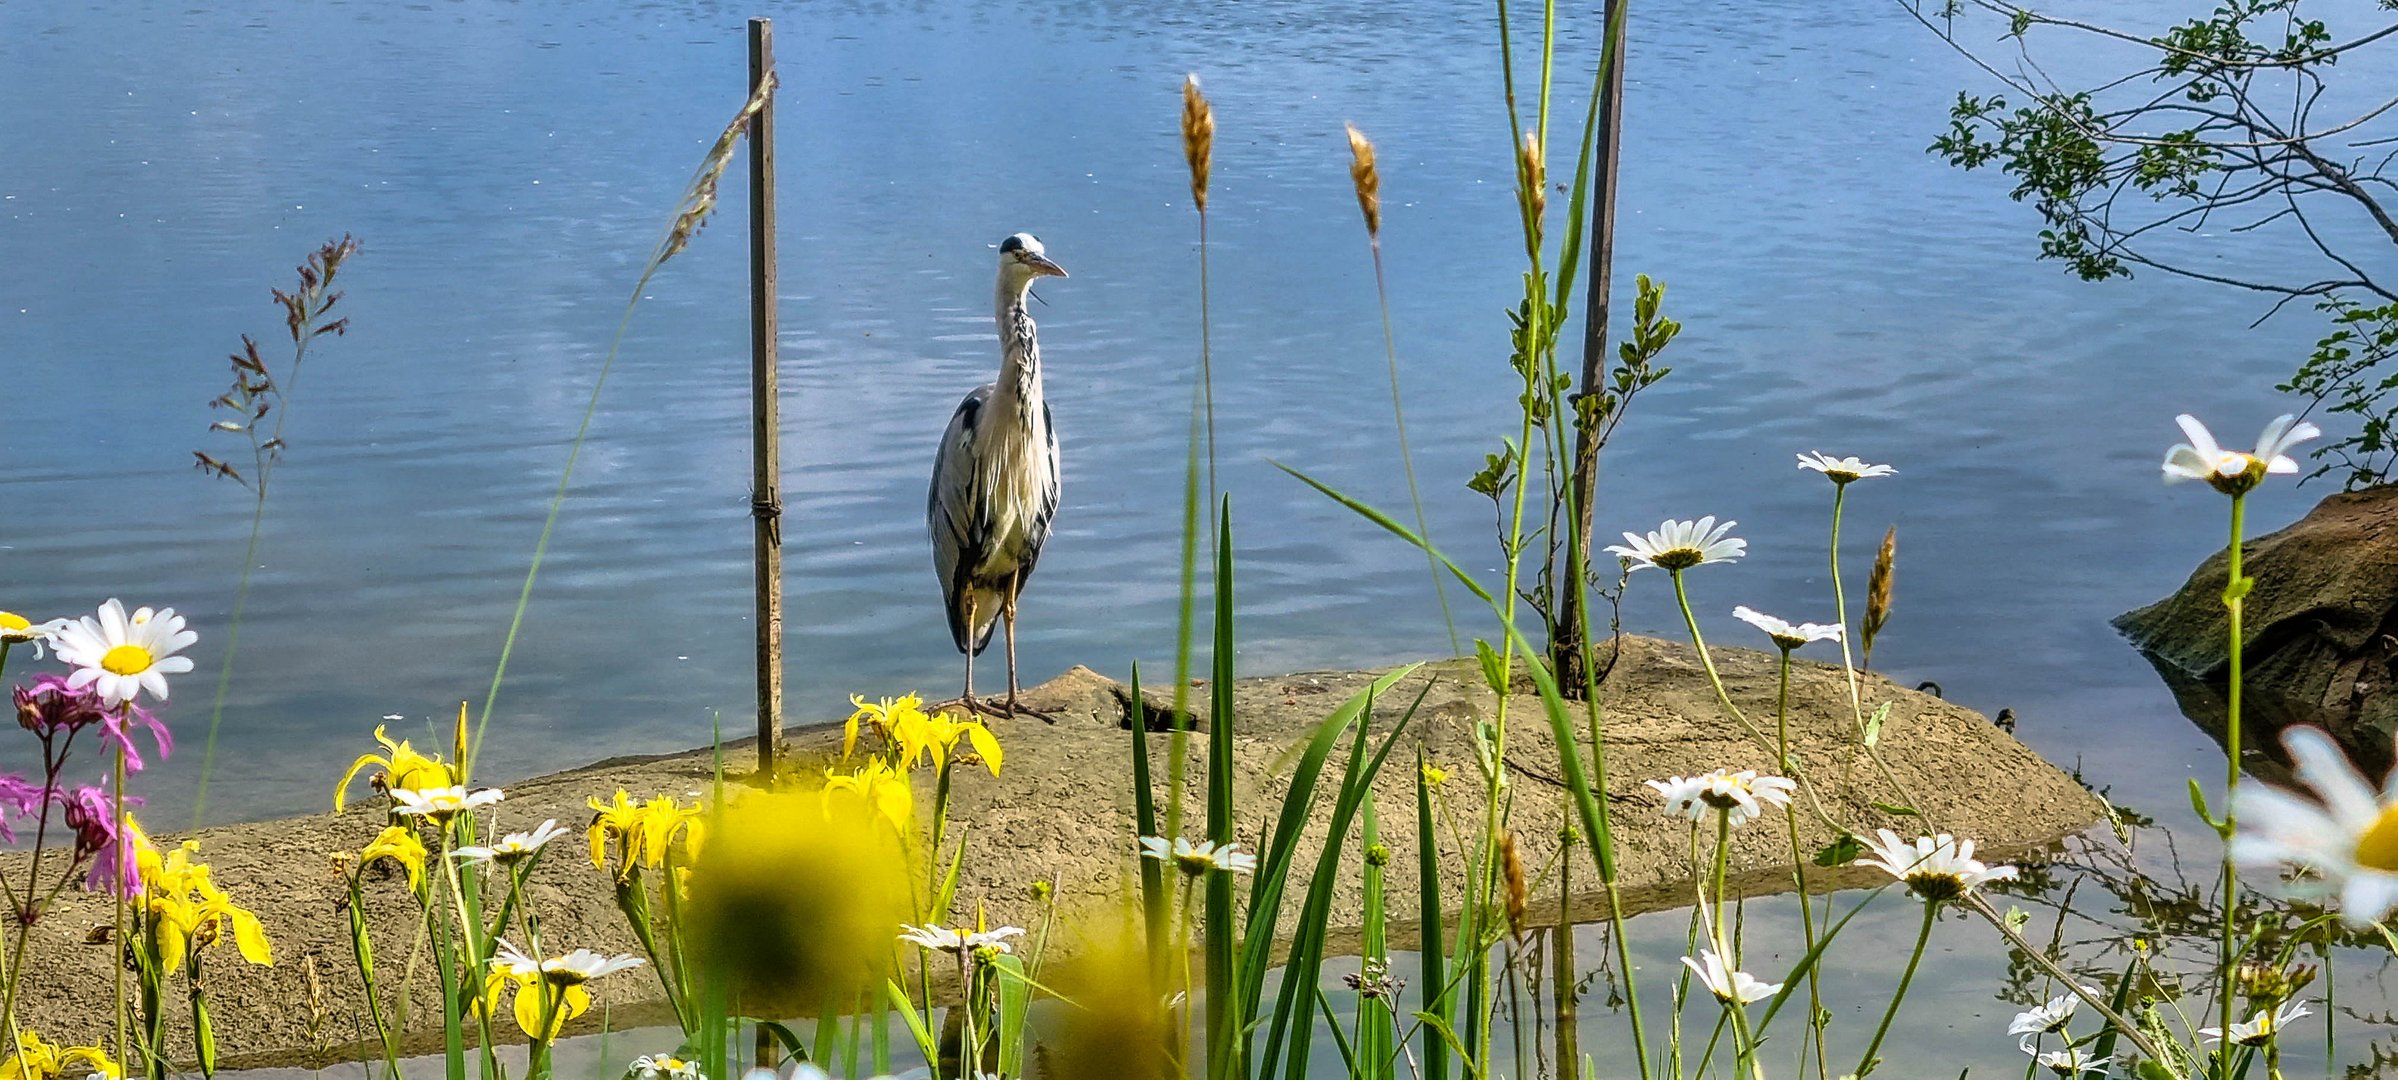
(766, 492)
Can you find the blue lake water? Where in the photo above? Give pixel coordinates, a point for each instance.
(508, 165)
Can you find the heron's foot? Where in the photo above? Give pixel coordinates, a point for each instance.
(1014, 709)
(969, 704)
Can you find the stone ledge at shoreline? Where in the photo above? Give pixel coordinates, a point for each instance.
(1061, 811)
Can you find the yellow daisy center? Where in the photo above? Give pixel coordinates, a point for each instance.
(2377, 849)
(10, 620)
(1681, 558)
(126, 660)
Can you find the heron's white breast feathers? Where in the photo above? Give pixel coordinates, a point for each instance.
(1014, 477)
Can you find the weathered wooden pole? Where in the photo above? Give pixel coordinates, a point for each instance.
(1566, 639)
(766, 485)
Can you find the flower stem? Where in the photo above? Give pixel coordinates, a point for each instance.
(1840, 606)
(2234, 600)
(1923, 937)
(1798, 867)
(117, 807)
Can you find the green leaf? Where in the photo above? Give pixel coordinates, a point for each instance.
(1015, 1006)
(1873, 726)
(907, 1009)
(2233, 592)
(1896, 810)
(2017, 918)
(1494, 670)
(2198, 803)
(1840, 852)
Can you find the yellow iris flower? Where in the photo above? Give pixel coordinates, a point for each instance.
(879, 787)
(187, 912)
(37, 1060)
(912, 736)
(403, 768)
(533, 995)
(643, 832)
(400, 844)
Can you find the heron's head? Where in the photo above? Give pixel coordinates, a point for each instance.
(1021, 260)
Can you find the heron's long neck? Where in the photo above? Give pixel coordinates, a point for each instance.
(1020, 355)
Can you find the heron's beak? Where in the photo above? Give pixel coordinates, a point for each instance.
(1042, 267)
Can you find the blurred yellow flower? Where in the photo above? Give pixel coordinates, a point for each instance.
(911, 736)
(400, 844)
(186, 912)
(34, 1059)
(642, 833)
(403, 768)
(796, 899)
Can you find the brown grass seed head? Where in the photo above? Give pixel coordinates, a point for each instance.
(1511, 865)
(1366, 178)
(1532, 170)
(1198, 138)
(1878, 588)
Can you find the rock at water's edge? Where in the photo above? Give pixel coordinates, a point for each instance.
(2320, 633)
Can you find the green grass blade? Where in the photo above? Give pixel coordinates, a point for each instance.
(1144, 821)
(1223, 1060)
(1292, 1032)
(1435, 975)
(1374, 1031)
(1266, 887)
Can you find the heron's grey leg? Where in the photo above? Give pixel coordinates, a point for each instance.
(1007, 614)
(967, 699)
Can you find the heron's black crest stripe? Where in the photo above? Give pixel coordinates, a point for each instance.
(1012, 243)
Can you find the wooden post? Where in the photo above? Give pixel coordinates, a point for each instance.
(766, 488)
(1565, 638)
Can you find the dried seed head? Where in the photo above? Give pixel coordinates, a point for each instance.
(1532, 172)
(1877, 590)
(1511, 866)
(1366, 178)
(1198, 138)
(699, 199)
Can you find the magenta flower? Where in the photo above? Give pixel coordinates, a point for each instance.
(47, 707)
(118, 725)
(20, 798)
(93, 815)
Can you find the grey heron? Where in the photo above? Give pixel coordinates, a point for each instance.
(995, 479)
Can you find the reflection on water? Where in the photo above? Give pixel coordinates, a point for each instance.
(507, 165)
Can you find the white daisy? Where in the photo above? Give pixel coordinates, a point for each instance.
(1842, 470)
(2045, 1019)
(1935, 868)
(2069, 1062)
(1741, 796)
(662, 1067)
(16, 629)
(1679, 545)
(512, 847)
(943, 939)
(1786, 634)
(123, 655)
(440, 803)
(2346, 845)
(2261, 1027)
(573, 969)
(1199, 858)
(2231, 471)
(1729, 986)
